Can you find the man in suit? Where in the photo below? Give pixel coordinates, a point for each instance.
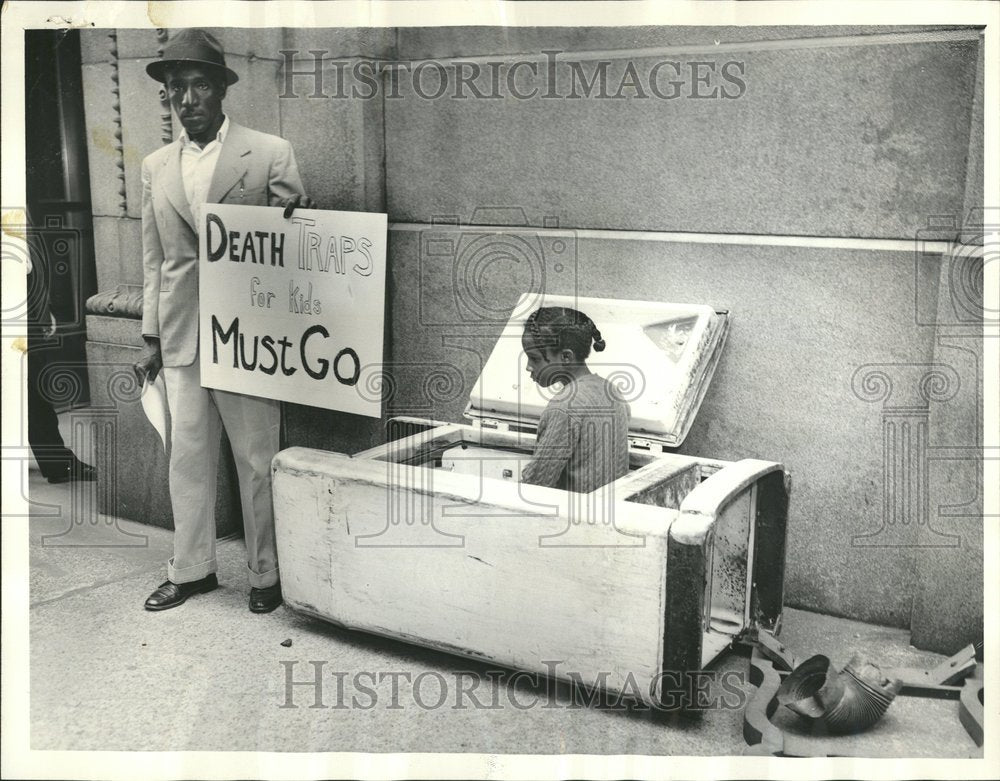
(214, 160)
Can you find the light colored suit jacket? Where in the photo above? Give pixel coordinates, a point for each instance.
(253, 169)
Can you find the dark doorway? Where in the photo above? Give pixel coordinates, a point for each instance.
(60, 226)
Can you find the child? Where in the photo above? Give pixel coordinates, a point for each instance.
(582, 440)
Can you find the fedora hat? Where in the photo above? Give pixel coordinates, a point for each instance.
(195, 46)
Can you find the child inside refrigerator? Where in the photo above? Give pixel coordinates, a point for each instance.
(582, 440)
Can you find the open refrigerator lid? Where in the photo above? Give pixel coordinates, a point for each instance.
(661, 357)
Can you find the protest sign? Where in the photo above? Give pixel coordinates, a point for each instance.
(292, 309)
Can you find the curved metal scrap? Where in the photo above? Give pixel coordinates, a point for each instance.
(970, 706)
(760, 734)
(776, 651)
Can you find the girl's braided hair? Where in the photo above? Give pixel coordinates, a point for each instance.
(561, 327)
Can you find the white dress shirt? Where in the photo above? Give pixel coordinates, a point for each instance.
(198, 166)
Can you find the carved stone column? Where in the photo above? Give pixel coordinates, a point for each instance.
(166, 119)
(117, 107)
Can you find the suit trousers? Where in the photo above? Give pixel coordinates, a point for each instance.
(252, 425)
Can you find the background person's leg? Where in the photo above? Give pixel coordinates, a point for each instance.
(55, 460)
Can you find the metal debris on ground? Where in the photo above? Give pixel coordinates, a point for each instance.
(960, 677)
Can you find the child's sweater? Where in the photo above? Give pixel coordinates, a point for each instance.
(582, 440)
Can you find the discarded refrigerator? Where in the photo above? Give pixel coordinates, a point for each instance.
(431, 538)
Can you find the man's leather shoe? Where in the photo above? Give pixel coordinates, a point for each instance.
(264, 600)
(171, 594)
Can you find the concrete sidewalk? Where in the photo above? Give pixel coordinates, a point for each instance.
(108, 675)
